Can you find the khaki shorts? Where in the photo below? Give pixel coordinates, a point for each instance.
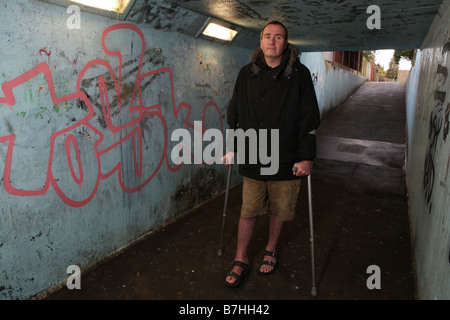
(274, 197)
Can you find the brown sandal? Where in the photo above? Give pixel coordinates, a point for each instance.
(269, 263)
(239, 277)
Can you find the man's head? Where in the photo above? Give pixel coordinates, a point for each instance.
(276, 22)
(274, 40)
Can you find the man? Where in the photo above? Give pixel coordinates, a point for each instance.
(274, 91)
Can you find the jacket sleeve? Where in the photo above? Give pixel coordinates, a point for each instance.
(233, 113)
(309, 117)
(232, 110)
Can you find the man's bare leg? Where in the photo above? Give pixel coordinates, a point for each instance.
(276, 224)
(245, 234)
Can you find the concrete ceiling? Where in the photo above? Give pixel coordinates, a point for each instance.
(314, 25)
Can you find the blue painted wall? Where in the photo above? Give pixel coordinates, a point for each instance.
(86, 119)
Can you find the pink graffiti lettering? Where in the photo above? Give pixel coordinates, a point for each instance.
(82, 147)
(44, 51)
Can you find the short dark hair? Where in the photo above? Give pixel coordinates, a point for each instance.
(278, 23)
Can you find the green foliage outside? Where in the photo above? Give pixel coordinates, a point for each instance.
(407, 54)
(392, 71)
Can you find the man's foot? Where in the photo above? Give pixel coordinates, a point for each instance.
(269, 264)
(236, 277)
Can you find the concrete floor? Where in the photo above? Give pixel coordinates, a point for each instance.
(360, 219)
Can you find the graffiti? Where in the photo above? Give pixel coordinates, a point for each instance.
(428, 179)
(159, 14)
(446, 121)
(438, 121)
(131, 115)
(315, 78)
(44, 51)
(152, 11)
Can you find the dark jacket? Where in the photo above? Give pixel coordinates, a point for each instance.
(277, 98)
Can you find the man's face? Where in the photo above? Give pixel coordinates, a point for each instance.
(273, 41)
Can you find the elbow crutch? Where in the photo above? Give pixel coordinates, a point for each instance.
(311, 231)
(311, 235)
(225, 207)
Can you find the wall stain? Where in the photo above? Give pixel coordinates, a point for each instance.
(204, 185)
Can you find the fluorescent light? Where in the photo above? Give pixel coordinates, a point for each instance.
(109, 5)
(217, 31)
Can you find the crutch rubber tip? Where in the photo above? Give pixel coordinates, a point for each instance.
(220, 252)
(314, 291)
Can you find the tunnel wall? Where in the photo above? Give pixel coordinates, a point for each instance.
(428, 160)
(333, 84)
(87, 117)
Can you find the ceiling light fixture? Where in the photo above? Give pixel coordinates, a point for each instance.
(217, 31)
(118, 6)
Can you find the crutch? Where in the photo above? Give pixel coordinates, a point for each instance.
(311, 235)
(225, 207)
(311, 231)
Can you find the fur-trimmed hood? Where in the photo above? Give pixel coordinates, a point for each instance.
(292, 60)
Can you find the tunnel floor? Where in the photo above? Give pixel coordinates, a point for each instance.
(360, 214)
